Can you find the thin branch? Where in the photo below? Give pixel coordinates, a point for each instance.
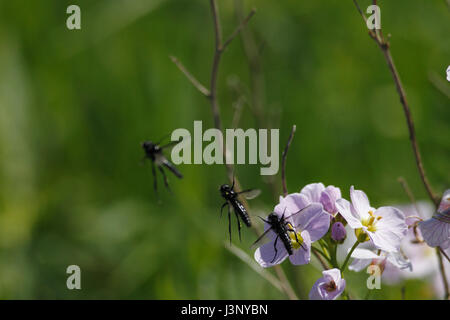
(444, 254)
(238, 105)
(384, 45)
(409, 193)
(283, 161)
(253, 55)
(190, 77)
(443, 274)
(385, 48)
(238, 29)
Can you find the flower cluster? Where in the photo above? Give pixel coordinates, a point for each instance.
(319, 214)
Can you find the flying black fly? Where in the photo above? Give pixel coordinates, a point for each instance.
(231, 200)
(154, 152)
(282, 228)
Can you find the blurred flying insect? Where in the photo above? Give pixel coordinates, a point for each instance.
(231, 200)
(282, 229)
(154, 152)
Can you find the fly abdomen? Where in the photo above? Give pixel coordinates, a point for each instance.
(172, 168)
(240, 209)
(284, 237)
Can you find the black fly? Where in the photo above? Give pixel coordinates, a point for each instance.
(231, 200)
(282, 228)
(154, 152)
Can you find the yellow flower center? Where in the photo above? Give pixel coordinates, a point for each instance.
(370, 224)
(294, 237)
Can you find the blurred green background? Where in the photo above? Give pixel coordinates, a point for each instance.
(75, 106)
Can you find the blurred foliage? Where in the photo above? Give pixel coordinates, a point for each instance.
(75, 105)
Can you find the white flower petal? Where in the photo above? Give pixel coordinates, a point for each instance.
(345, 209)
(360, 202)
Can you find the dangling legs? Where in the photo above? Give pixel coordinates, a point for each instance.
(229, 223)
(275, 248)
(166, 183)
(239, 225)
(221, 209)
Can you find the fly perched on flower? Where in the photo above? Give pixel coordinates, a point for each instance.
(436, 230)
(231, 200)
(154, 152)
(290, 229)
(283, 229)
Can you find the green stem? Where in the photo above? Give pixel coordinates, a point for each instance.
(334, 262)
(325, 250)
(322, 254)
(347, 259)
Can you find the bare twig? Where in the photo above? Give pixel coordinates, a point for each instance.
(283, 161)
(384, 45)
(409, 193)
(190, 77)
(443, 275)
(252, 53)
(239, 28)
(252, 50)
(385, 48)
(444, 254)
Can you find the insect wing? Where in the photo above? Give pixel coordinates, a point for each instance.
(173, 143)
(250, 193)
(170, 144)
(266, 237)
(290, 217)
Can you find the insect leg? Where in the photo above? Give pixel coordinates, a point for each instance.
(166, 183)
(275, 248)
(264, 220)
(239, 225)
(221, 209)
(232, 186)
(296, 238)
(155, 181)
(229, 223)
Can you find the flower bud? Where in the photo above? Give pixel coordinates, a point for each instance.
(338, 232)
(328, 199)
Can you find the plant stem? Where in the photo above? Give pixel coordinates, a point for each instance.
(443, 275)
(334, 262)
(317, 253)
(283, 162)
(347, 259)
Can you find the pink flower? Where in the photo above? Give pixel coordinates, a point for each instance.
(316, 192)
(329, 287)
(436, 230)
(385, 226)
